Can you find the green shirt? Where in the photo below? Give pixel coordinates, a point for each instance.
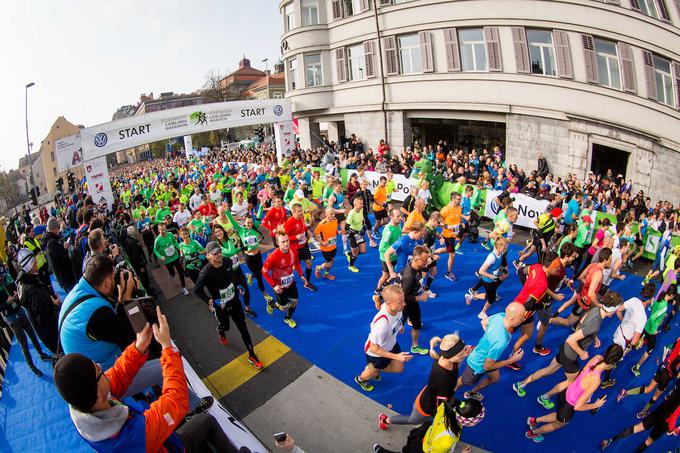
(137, 212)
(582, 234)
(658, 313)
(317, 188)
(166, 247)
(161, 213)
(193, 254)
(390, 235)
(250, 238)
(389, 188)
(564, 240)
(355, 220)
(230, 252)
(326, 194)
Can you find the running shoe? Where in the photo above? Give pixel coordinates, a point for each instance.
(249, 278)
(185, 291)
(517, 264)
(267, 298)
(376, 301)
(451, 277)
(317, 272)
(472, 292)
(347, 255)
(514, 366)
(642, 414)
(474, 395)
(622, 394)
(532, 423)
(605, 443)
(365, 385)
(636, 370)
(310, 286)
(254, 361)
(353, 269)
(535, 437)
(419, 350)
(468, 299)
(519, 390)
(291, 323)
(205, 404)
(545, 402)
(328, 276)
(223, 340)
(645, 280)
(498, 297)
(250, 312)
(541, 350)
(270, 308)
(607, 383)
(382, 421)
(482, 315)
(431, 295)
(485, 244)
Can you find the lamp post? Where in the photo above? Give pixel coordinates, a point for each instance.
(28, 143)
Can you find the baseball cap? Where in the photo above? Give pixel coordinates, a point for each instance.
(586, 218)
(556, 212)
(212, 248)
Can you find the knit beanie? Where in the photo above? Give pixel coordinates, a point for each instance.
(76, 379)
(26, 259)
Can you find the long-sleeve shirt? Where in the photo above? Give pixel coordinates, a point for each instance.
(278, 268)
(219, 283)
(166, 246)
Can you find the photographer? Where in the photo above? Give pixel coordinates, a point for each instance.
(57, 256)
(135, 254)
(98, 244)
(106, 424)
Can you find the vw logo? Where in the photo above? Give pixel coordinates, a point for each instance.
(495, 207)
(278, 110)
(100, 140)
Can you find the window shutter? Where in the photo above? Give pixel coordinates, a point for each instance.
(365, 5)
(493, 48)
(663, 10)
(627, 67)
(340, 65)
(519, 38)
(369, 55)
(676, 76)
(590, 58)
(337, 9)
(391, 62)
(563, 54)
(385, 2)
(426, 51)
(452, 52)
(635, 4)
(650, 75)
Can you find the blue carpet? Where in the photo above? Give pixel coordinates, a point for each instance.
(334, 322)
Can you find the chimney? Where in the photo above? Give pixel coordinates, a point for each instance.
(267, 72)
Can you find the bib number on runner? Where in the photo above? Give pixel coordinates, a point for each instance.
(234, 262)
(287, 280)
(228, 293)
(169, 251)
(250, 240)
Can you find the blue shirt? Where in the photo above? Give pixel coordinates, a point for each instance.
(572, 209)
(404, 249)
(491, 345)
(465, 205)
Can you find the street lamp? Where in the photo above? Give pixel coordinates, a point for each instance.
(28, 143)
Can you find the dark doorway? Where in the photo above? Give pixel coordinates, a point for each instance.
(605, 158)
(463, 134)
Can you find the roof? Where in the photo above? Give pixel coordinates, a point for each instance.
(268, 80)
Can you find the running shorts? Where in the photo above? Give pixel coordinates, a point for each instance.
(662, 378)
(289, 294)
(303, 253)
(412, 311)
(656, 423)
(379, 215)
(469, 376)
(565, 411)
(340, 217)
(355, 238)
(569, 366)
(380, 363)
(543, 316)
(329, 255)
(384, 268)
(450, 244)
(650, 342)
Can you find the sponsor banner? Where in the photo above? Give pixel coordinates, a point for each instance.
(68, 153)
(134, 131)
(98, 181)
(402, 184)
(528, 208)
(188, 145)
(284, 136)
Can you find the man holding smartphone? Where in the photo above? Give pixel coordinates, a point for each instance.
(217, 277)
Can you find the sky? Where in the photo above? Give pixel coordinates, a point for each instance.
(89, 57)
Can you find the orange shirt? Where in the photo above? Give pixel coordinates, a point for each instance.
(413, 217)
(328, 232)
(451, 216)
(379, 198)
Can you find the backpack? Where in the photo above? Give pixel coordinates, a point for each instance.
(78, 256)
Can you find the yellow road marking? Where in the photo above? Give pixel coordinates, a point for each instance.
(239, 371)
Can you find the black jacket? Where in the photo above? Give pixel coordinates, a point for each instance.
(135, 252)
(35, 297)
(543, 168)
(59, 261)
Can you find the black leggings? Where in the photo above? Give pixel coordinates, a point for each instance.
(201, 428)
(176, 266)
(234, 311)
(254, 263)
(192, 274)
(21, 327)
(240, 280)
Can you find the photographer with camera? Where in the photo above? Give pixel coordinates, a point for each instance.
(107, 424)
(98, 244)
(135, 253)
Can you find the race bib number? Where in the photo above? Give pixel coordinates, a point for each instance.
(287, 280)
(331, 241)
(250, 240)
(302, 238)
(228, 293)
(170, 251)
(234, 262)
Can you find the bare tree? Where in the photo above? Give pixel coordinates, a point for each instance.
(218, 87)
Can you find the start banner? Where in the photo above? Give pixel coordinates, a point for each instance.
(528, 208)
(402, 184)
(68, 153)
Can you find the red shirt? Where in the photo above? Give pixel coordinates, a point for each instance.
(208, 210)
(535, 286)
(274, 218)
(557, 272)
(584, 300)
(296, 229)
(278, 268)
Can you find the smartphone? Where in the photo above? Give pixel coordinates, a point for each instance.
(136, 315)
(280, 437)
(148, 305)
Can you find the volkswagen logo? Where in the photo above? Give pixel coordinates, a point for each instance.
(495, 207)
(100, 140)
(278, 110)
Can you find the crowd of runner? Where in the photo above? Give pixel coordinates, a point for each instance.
(236, 218)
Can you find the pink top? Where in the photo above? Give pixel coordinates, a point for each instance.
(599, 235)
(575, 390)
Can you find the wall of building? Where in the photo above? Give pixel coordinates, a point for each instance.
(47, 164)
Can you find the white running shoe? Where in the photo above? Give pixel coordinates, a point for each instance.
(482, 315)
(185, 291)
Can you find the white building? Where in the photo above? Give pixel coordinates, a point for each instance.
(592, 84)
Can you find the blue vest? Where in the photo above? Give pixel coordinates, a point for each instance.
(132, 437)
(339, 200)
(73, 334)
(493, 268)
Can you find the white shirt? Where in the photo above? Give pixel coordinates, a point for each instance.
(634, 320)
(216, 196)
(425, 195)
(182, 217)
(239, 210)
(195, 201)
(384, 331)
(606, 273)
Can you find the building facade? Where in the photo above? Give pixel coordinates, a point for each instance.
(590, 84)
(45, 168)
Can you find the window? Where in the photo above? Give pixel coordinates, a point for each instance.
(52, 156)
(310, 12)
(313, 73)
(664, 81)
(472, 49)
(648, 8)
(289, 12)
(352, 7)
(397, 2)
(357, 62)
(54, 171)
(608, 64)
(292, 70)
(277, 95)
(409, 54)
(541, 52)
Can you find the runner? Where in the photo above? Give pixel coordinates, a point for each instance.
(356, 230)
(540, 237)
(576, 395)
(380, 207)
(298, 236)
(278, 271)
(410, 284)
(275, 217)
(403, 249)
(430, 240)
(490, 276)
(217, 277)
(193, 253)
(231, 253)
(483, 364)
(382, 349)
(658, 312)
(451, 219)
(326, 232)
(166, 250)
(336, 200)
(416, 215)
(390, 234)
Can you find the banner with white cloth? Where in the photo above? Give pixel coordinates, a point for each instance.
(98, 181)
(402, 184)
(188, 145)
(134, 131)
(528, 208)
(68, 153)
(284, 136)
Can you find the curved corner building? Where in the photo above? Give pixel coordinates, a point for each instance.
(593, 85)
